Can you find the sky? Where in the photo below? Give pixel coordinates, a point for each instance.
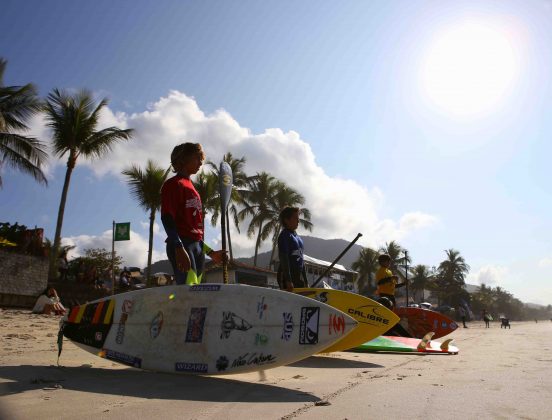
(421, 122)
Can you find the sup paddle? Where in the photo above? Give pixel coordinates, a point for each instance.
(225, 190)
(336, 260)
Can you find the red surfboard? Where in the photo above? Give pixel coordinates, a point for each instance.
(418, 322)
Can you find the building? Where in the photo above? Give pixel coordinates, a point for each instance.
(241, 273)
(339, 277)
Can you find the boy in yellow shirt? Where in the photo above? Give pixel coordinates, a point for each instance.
(386, 281)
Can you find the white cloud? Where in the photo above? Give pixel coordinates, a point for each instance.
(340, 208)
(133, 252)
(545, 262)
(490, 275)
(156, 230)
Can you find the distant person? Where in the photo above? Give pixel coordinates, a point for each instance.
(386, 281)
(48, 302)
(124, 279)
(63, 266)
(487, 318)
(182, 217)
(462, 315)
(291, 271)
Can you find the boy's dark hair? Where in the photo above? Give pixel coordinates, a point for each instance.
(185, 151)
(383, 258)
(287, 212)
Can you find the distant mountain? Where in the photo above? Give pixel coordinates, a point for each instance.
(322, 249)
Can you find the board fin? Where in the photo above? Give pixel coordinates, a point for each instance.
(425, 341)
(445, 344)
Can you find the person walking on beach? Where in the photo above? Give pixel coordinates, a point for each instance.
(386, 280)
(486, 318)
(291, 272)
(182, 217)
(462, 315)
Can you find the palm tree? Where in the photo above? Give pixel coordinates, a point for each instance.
(284, 196)
(366, 265)
(145, 187)
(73, 121)
(239, 181)
(421, 279)
(261, 188)
(452, 272)
(206, 185)
(17, 105)
(394, 250)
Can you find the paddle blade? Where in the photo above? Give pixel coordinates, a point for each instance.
(225, 184)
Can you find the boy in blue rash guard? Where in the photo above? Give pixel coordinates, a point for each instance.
(182, 217)
(291, 272)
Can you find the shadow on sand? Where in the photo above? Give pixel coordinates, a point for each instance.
(144, 384)
(327, 362)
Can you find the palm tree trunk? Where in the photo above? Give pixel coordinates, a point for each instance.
(257, 244)
(52, 269)
(228, 236)
(150, 245)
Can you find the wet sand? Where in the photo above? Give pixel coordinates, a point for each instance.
(498, 374)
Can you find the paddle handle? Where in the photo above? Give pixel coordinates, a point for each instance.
(336, 260)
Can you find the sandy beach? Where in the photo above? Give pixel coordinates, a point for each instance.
(498, 374)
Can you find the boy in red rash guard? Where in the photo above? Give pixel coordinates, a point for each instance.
(182, 217)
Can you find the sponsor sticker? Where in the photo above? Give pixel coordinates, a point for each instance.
(194, 333)
(156, 325)
(191, 367)
(367, 314)
(123, 358)
(126, 308)
(222, 363)
(261, 339)
(205, 288)
(261, 307)
(336, 325)
(287, 330)
(230, 321)
(255, 358)
(308, 327)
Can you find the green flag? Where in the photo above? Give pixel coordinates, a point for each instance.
(122, 231)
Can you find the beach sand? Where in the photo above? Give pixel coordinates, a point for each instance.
(498, 374)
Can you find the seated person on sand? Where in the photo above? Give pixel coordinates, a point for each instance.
(48, 303)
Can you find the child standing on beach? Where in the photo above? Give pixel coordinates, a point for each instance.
(291, 272)
(386, 280)
(182, 217)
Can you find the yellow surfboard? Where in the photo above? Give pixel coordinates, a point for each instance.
(373, 318)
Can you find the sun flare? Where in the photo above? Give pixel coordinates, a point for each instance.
(470, 69)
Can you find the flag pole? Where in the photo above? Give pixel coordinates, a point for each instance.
(113, 259)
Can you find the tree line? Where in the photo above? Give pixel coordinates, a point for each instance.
(446, 282)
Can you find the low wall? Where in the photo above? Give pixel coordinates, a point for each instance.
(22, 278)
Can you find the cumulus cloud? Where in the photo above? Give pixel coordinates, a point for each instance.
(340, 207)
(489, 275)
(133, 252)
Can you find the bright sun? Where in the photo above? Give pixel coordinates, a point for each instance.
(469, 69)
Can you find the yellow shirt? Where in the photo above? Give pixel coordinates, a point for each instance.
(386, 288)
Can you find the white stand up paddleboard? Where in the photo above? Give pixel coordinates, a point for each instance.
(209, 329)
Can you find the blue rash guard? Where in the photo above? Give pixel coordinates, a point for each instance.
(292, 267)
